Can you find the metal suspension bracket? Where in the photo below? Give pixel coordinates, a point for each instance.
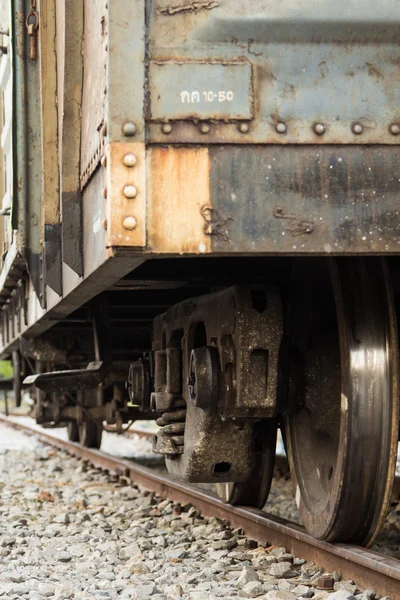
(32, 25)
(215, 375)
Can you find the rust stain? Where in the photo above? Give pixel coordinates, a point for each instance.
(295, 225)
(178, 190)
(323, 69)
(192, 7)
(372, 71)
(215, 224)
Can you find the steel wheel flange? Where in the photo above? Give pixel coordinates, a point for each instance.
(90, 434)
(343, 396)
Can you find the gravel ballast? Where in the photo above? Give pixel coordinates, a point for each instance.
(69, 531)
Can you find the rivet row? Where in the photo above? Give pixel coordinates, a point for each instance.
(281, 127)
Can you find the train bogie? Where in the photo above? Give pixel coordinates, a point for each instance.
(204, 230)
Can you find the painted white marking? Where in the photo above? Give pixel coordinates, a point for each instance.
(297, 497)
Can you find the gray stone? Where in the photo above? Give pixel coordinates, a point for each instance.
(62, 518)
(301, 590)
(366, 595)
(46, 589)
(286, 557)
(64, 592)
(280, 595)
(13, 576)
(130, 551)
(247, 575)
(199, 595)
(253, 589)
(143, 592)
(348, 586)
(341, 595)
(285, 586)
(64, 557)
(176, 553)
(282, 570)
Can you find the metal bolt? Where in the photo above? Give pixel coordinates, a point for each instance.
(204, 128)
(357, 128)
(103, 160)
(130, 191)
(130, 160)
(129, 129)
(129, 223)
(395, 129)
(167, 128)
(325, 582)
(244, 128)
(281, 127)
(104, 224)
(319, 128)
(104, 192)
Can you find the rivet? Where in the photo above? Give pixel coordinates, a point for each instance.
(204, 128)
(129, 129)
(357, 128)
(281, 127)
(104, 192)
(130, 160)
(167, 128)
(104, 224)
(103, 160)
(243, 128)
(395, 129)
(319, 128)
(130, 191)
(129, 223)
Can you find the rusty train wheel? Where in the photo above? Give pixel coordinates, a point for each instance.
(254, 491)
(343, 396)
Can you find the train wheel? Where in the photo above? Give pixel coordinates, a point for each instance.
(90, 434)
(73, 431)
(342, 427)
(254, 491)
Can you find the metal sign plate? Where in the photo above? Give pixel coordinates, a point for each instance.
(198, 90)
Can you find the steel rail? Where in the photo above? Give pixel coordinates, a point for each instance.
(367, 568)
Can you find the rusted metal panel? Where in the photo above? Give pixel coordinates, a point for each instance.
(178, 200)
(125, 70)
(125, 190)
(323, 72)
(94, 213)
(94, 85)
(299, 200)
(71, 205)
(27, 207)
(50, 157)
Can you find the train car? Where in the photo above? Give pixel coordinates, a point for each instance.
(201, 224)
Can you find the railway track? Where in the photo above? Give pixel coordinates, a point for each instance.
(367, 568)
